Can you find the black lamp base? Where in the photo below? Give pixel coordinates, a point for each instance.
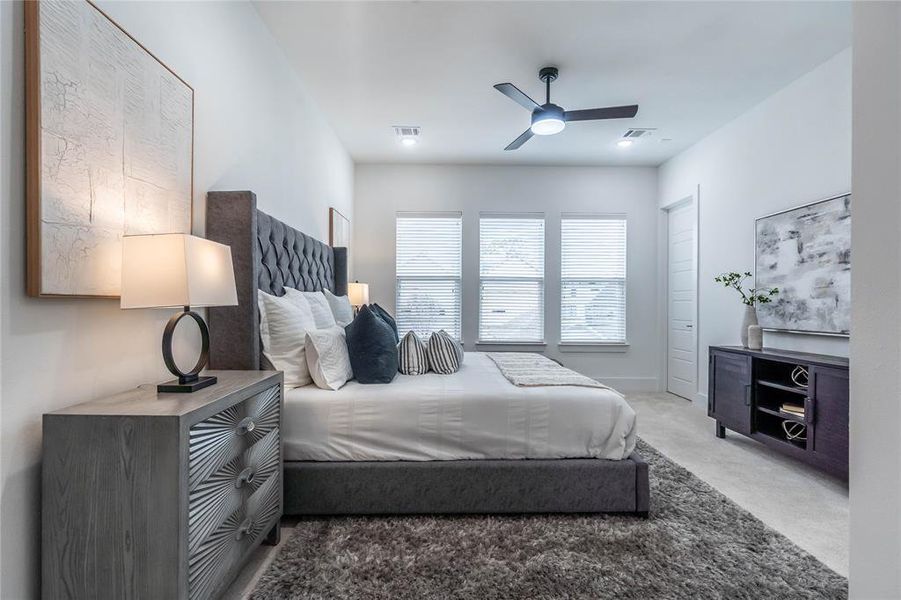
(190, 381)
(174, 387)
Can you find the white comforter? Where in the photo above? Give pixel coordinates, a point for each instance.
(473, 414)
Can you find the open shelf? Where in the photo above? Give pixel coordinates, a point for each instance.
(772, 397)
(781, 415)
(785, 388)
(769, 423)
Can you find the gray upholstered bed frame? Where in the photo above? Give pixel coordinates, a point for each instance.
(270, 255)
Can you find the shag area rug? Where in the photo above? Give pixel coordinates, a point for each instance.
(696, 544)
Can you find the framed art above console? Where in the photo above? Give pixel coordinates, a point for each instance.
(806, 253)
(109, 148)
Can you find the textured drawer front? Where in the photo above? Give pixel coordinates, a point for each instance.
(210, 566)
(233, 468)
(225, 491)
(217, 440)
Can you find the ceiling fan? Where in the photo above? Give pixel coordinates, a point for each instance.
(547, 118)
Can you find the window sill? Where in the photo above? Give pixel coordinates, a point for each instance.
(511, 344)
(587, 347)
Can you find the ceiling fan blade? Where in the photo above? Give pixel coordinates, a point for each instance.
(594, 114)
(517, 95)
(525, 137)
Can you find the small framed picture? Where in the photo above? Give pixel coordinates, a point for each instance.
(339, 229)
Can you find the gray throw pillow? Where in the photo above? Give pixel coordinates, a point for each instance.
(387, 318)
(371, 347)
(445, 353)
(412, 358)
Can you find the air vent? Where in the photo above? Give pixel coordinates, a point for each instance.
(407, 131)
(638, 132)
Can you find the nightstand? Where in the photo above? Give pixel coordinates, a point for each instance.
(149, 495)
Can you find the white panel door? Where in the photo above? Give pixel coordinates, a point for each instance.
(682, 358)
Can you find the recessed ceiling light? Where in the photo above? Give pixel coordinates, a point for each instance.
(624, 143)
(407, 134)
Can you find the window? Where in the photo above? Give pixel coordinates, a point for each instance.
(511, 278)
(429, 255)
(593, 280)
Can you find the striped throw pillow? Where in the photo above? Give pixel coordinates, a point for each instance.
(411, 355)
(445, 353)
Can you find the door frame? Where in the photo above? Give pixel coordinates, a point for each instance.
(691, 198)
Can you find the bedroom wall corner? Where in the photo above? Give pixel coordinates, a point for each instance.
(791, 149)
(9, 165)
(255, 128)
(875, 461)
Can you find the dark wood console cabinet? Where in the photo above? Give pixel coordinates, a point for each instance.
(748, 389)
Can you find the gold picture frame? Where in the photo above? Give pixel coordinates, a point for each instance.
(338, 229)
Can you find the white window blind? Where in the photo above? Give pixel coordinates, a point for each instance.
(593, 282)
(511, 278)
(429, 256)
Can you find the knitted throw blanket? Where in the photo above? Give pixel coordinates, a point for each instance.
(532, 370)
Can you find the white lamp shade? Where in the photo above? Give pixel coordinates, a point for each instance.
(176, 269)
(358, 293)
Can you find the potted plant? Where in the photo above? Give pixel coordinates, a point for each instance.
(750, 297)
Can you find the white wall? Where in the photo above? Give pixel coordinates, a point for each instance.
(792, 149)
(876, 291)
(255, 128)
(383, 190)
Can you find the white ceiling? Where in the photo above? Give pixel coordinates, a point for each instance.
(691, 66)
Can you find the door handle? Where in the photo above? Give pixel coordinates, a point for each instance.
(689, 326)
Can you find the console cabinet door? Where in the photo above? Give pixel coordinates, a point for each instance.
(729, 390)
(829, 392)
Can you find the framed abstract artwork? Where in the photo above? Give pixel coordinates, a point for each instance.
(109, 148)
(338, 229)
(806, 253)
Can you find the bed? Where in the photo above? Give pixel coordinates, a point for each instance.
(475, 414)
(471, 442)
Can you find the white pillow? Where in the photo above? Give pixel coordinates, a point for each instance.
(327, 357)
(283, 327)
(341, 308)
(322, 312)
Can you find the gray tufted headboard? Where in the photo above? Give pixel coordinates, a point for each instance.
(267, 255)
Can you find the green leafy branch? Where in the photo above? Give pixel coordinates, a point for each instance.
(749, 296)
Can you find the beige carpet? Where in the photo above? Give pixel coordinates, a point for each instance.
(696, 544)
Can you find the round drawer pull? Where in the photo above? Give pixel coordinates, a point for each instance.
(245, 476)
(246, 425)
(244, 529)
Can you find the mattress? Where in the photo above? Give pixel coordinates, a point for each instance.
(473, 414)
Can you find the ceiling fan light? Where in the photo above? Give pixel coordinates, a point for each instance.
(547, 120)
(548, 126)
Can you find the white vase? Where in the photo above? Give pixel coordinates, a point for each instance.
(749, 319)
(755, 337)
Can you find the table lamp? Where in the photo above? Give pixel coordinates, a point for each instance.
(357, 294)
(178, 270)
